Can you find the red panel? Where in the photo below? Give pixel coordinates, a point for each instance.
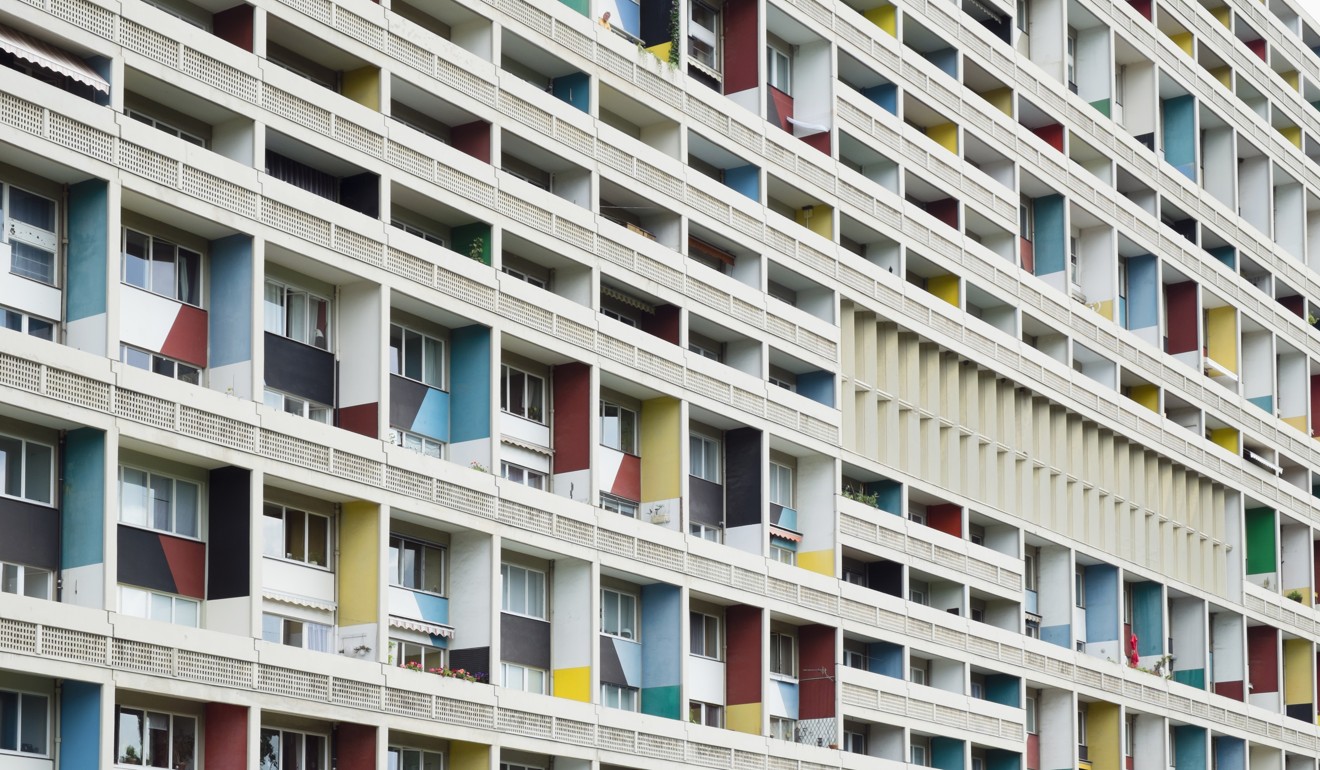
(187, 338)
(816, 683)
(235, 26)
(663, 324)
(1181, 316)
(1260, 48)
(1033, 751)
(628, 482)
(1028, 255)
(357, 746)
(945, 518)
(945, 210)
(187, 560)
(1142, 7)
(362, 418)
(1231, 690)
(472, 138)
(1263, 659)
(571, 384)
(742, 54)
(1315, 412)
(225, 737)
(1052, 134)
(781, 108)
(1315, 579)
(1294, 303)
(820, 141)
(744, 652)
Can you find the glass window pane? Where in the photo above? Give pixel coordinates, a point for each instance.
(162, 365)
(627, 610)
(130, 737)
(189, 374)
(40, 459)
(433, 570)
(136, 358)
(11, 459)
(33, 730)
(162, 608)
(274, 305)
(9, 578)
(395, 576)
(516, 398)
(535, 398)
(9, 721)
(158, 740)
(163, 257)
(609, 426)
(296, 321)
(433, 362)
(295, 536)
(36, 583)
(186, 497)
(136, 246)
(185, 612)
(318, 540)
(535, 594)
(628, 431)
(516, 585)
(185, 742)
(11, 320)
(292, 752)
(318, 636)
(396, 349)
(293, 633)
(272, 531)
(409, 565)
(712, 629)
(610, 613)
(412, 759)
(272, 629)
(513, 677)
(412, 354)
(295, 406)
(694, 456)
(41, 329)
(132, 496)
(320, 315)
(162, 494)
(535, 680)
(189, 277)
(32, 209)
(133, 602)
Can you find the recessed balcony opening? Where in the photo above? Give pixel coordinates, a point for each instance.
(639, 431)
(329, 66)
(1140, 390)
(188, 117)
(994, 91)
(1045, 337)
(727, 168)
(452, 21)
(1088, 157)
(797, 376)
(1137, 191)
(873, 572)
(641, 216)
(791, 202)
(1087, 64)
(229, 22)
(862, 158)
(1041, 123)
(1214, 64)
(426, 219)
(545, 72)
(997, 20)
(991, 309)
(714, 341)
(1252, 97)
(990, 161)
(981, 229)
(529, 162)
(928, 119)
(1133, 106)
(944, 595)
(423, 111)
(631, 306)
(1283, 387)
(1095, 366)
(935, 512)
(322, 173)
(29, 49)
(927, 275)
(545, 268)
(1179, 411)
(931, 46)
(722, 254)
(1221, 353)
(435, 363)
(932, 199)
(639, 121)
(799, 83)
(993, 610)
(414, 750)
(868, 84)
(870, 244)
(793, 288)
(871, 489)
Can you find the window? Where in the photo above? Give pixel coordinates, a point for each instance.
(27, 324)
(617, 504)
(783, 654)
(414, 759)
(917, 672)
(781, 554)
(159, 502)
(1030, 573)
(161, 125)
(783, 729)
(854, 742)
(707, 714)
(704, 457)
(153, 605)
(23, 722)
(706, 347)
(918, 757)
(404, 226)
(621, 314)
(1070, 59)
(918, 590)
(28, 469)
(299, 407)
(1120, 85)
(403, 653)
(417, 565)
(1074, 267)
(152, 739)
(289, 533)
(1033, 629)
(1079, 585)
(522, 394)
(781, 485)
(30, 230)
(287, 750)
(317, 637)
(523, 591)
(704, 635)
(612, 696)
(618, 614)
(415, 442)
(154, 362)
(706, 532)
(781, 382)
(779, 69)
(1031, 713)
(1026, 218)
(520, 475)
(978, 686)
(1023, 14)
(417, 356)
(704, 35)
(299, 315)
(161, 267)
(854, 658)
(618, 428)
(526, 277)
(24, 580)
(1081, 725)
(523, 678)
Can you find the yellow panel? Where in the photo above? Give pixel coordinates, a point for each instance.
(1224, 75)
(1147, 395)
(573, 683)
(1298, 661)
(1226, 438)
(1292, 134)
(885, 17)
(363, 86)
(468, 756)
(945, 287)
(359, 563)
(661, 50)
(1306, 594)
(1224, 14)
(1221, 337)
(1001, 99)
(1297, 422)
(819, 219)
(1292, 79)
(1104, 308)
(661, 449)
(1184, 41)
(946, 135)
(817, 561)
(1102, 736)
(744, 717)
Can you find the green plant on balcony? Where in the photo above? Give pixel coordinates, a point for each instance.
(477, 248)
(872, 499)
(673, 33)
(478, 467)
(1295, 595)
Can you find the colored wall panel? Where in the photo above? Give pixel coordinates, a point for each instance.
(571, 385)
(360, 569)
(1102, 735)
(1189, 747)
(818, 219)
(1222, 336)
(1142, 295)
(1003, 689)
(817, 386)
(742, 53)
(471, 658)
(573, 683)
(1052, 134)
(361, 192)
(885, 17)
(472, 138)
(662, 649)
(663, 323)
(945, 135)
(816, 668)
(744, 655)
(470, 383)
(744, 179)
(225, 733)
(362, 85)
(885, 658)
(229, 496)
(1226, 438)
(885, 95)
(301, 370)
(417, 408)
(161, 562)
(581, 6)
(1180, 134)
(473, 241)
(1146, 395)
(1298, 671)
(86, 253)
(999, 759)
(946, 753)
(742, 475)
(628, 477)
(1148, 617)
(80, 725)
(524, 640)
(468, 756)
(229, 296)
(574, 88)
(743, 717)
(1183, 320)
(1261, 545)
(620, 662)
(945, 518)
(1263, 659)
(234, 25)
(661, 453)
(654, 22)
(82, 536)
(1101, 603)
(1050, 243)
(778, 108)
(355, 746)
(32, 534)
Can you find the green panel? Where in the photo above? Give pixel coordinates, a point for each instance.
(661, 701)
(1194, 677)
(473, 241)
(578, 5)
(1261, 548)
(1102, 105)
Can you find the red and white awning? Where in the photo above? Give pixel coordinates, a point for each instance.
(49, 57)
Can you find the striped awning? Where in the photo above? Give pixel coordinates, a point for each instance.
(785, 534)
(422, 627)
(298, 600)
(49, 57)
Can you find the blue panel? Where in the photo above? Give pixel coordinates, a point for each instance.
(1143, 292)
(230, 300)
(1032, 603)
(787, 518)
(82, 534)
(630, 16)
(1225, 254)
(946, 59)
(1101, 603)
(1230, 753)
(1059, 635)
(574, 88)
(788, 693)
(817, 386)
(662, 646)
(470, 383)
(1264, 402)
(432, 608)
(999, 759)
(1148, 617)
(889, 495)
(433, 416)
(946, 753)
(1003, 689)
(89, 209)
(885, 658)
(1051, 238)
(1180, 134)
(1189, 747)
(884, 95)
(630, 660)
(80, 725)
(744, 179)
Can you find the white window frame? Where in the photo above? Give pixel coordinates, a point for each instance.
(159, 124)
(281, 309)
(525, 277)
(155, 363)
(527, 676)
(1079, 586)
(622, 416)
(402, 649)
(854, 742)
(20, 575)
(705, 621)
(1070, 58)
(782, 554)
(145, 716)
(509, 573)
(42, 497)
(613, 696)
(412, 229)
(779, 643)
(280, 734)
(416, 442)
(175, 527)
(709, 714)
(781, 485)
(521, 474)
(783, 729)
(26, 323)
(707, 37)
(779, 68)
(619, 505)
(626, 610)
(399, 756)
(19, 233)
(917, 673)
(399, 356)
(299, 406)
(25, 700)
(854, 659)
(276, 550)
(178, 610)
(397, 576)
(619, 315)
(708, 532)
(304, 627)
(703, 467)
(1030, 715)
(148, 285)
(535, 412)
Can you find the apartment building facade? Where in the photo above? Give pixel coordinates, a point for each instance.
(747, 385)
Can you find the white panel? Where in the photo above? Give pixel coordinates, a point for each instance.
(85, 586)
(524, 430)
(705, 680)
(25, 294)
(146, 318)
(290, 578)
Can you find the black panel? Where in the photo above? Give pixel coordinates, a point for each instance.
(706, 502)
(655, 21)
(299, 369)
(473, 659)
(776, 510)
(525, 641)
(885, 577)
(361, 193)
(742, 470)
(611, 670)
(229, 535)
(142, 560)
(1300, 711)
(31, 534)
(405, 401)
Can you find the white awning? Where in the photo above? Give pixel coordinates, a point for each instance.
(434, 629)
(301, 601)
(45, 55)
